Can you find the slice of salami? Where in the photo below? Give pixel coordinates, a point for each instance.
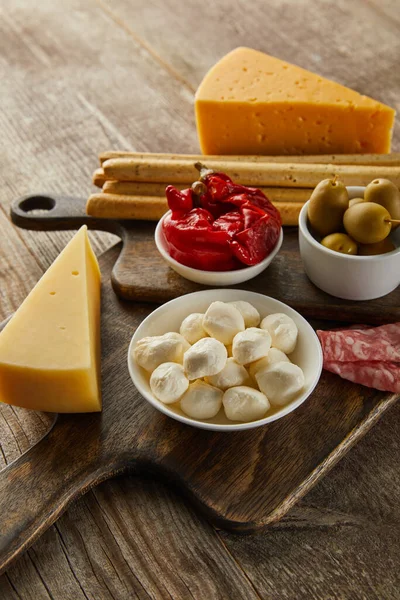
(352, 345)
(383, 376)
(366, 355)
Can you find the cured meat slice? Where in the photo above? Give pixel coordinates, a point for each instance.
(379, 375)
(373, 343)
(366, 355)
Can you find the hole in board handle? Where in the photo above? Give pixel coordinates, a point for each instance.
(37, 204)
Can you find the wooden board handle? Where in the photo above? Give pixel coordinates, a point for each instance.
(37, 487)
(57, 212)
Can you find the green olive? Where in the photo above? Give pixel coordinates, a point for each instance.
(385, 193)
(382, 247)
(340, 242)
(367, 222)
(328, 203)
(354, 201)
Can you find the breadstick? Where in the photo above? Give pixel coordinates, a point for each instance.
(287, 195)
(289, 212)
(132, 188)
(114, 206)
(337, 159)
(99, 178)
(260, 174)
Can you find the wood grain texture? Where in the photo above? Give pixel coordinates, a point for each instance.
(318, 36)
(49, 141)
(82, 450)
(338, 542)
(141, 274)
(94, 551)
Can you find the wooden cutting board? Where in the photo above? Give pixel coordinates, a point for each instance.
(141, 274)
(243, 481)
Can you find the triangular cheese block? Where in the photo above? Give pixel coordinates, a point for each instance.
(50, 349)
(253, 103)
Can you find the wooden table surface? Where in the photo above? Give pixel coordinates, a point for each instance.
(82, 76)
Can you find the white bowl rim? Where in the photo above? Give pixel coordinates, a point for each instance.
(159, 235)
(303, 226)
(285, 410)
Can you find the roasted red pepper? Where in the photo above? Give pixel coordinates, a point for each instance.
(224, 226)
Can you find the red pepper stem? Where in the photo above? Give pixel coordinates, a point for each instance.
(203, 170)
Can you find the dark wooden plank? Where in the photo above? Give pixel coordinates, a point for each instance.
(324, 562)
(328, 44)
(25, 582)
(51, 138)
(341, 541)
(303, 553)
(61, 127)
(83, 450)
(141, 274)
(96, 552)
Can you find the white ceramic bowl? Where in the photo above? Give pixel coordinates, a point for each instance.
(307, 354)
(345, 276)
(215, 278)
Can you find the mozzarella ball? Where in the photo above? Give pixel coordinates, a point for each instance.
(223, 321)
(283, 331)
(250, 314)
(250, 345)
(168, 382)
(201, 401)
(280, 382)
(192, 328)
(274, 355)
(206, 357)
(232, 374)
(245, 404)
(150, 352)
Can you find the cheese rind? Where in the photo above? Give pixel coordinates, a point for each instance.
(50, 349)
(252, 103)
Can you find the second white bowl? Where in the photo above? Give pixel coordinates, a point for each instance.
(214, 278)
(168, 317)
(346, 276)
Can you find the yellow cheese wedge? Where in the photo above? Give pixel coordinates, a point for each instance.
(50, 349)
(252, 103)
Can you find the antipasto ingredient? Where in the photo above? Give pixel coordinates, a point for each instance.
(245, 404)
(328, 203)
(367, 222)
(168, 382)
(340, 242)
(283, 331)
(201, 401)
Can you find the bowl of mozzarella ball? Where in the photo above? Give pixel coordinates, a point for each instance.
(225, 360)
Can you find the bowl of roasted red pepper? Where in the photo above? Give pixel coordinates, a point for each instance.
(218, 232)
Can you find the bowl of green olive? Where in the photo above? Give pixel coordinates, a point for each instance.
(349, 239)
